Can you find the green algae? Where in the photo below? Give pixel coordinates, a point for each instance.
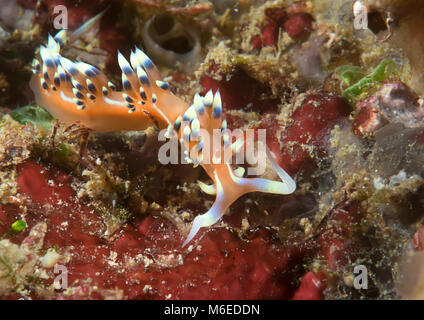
(62, 151)
(35, 115)
(359, 86)
(18, 226)
(350, 74)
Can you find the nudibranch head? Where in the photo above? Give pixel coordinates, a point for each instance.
(78, 92)
(229, 184)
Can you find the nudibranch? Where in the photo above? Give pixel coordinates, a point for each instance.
(76, 92)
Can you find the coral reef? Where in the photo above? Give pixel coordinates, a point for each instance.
(343, 110)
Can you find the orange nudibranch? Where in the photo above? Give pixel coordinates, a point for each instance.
(76, 92)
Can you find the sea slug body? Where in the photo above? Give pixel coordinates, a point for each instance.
(78, 92)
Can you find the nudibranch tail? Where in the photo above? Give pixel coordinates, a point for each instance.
(83, 28)
(79, 92)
